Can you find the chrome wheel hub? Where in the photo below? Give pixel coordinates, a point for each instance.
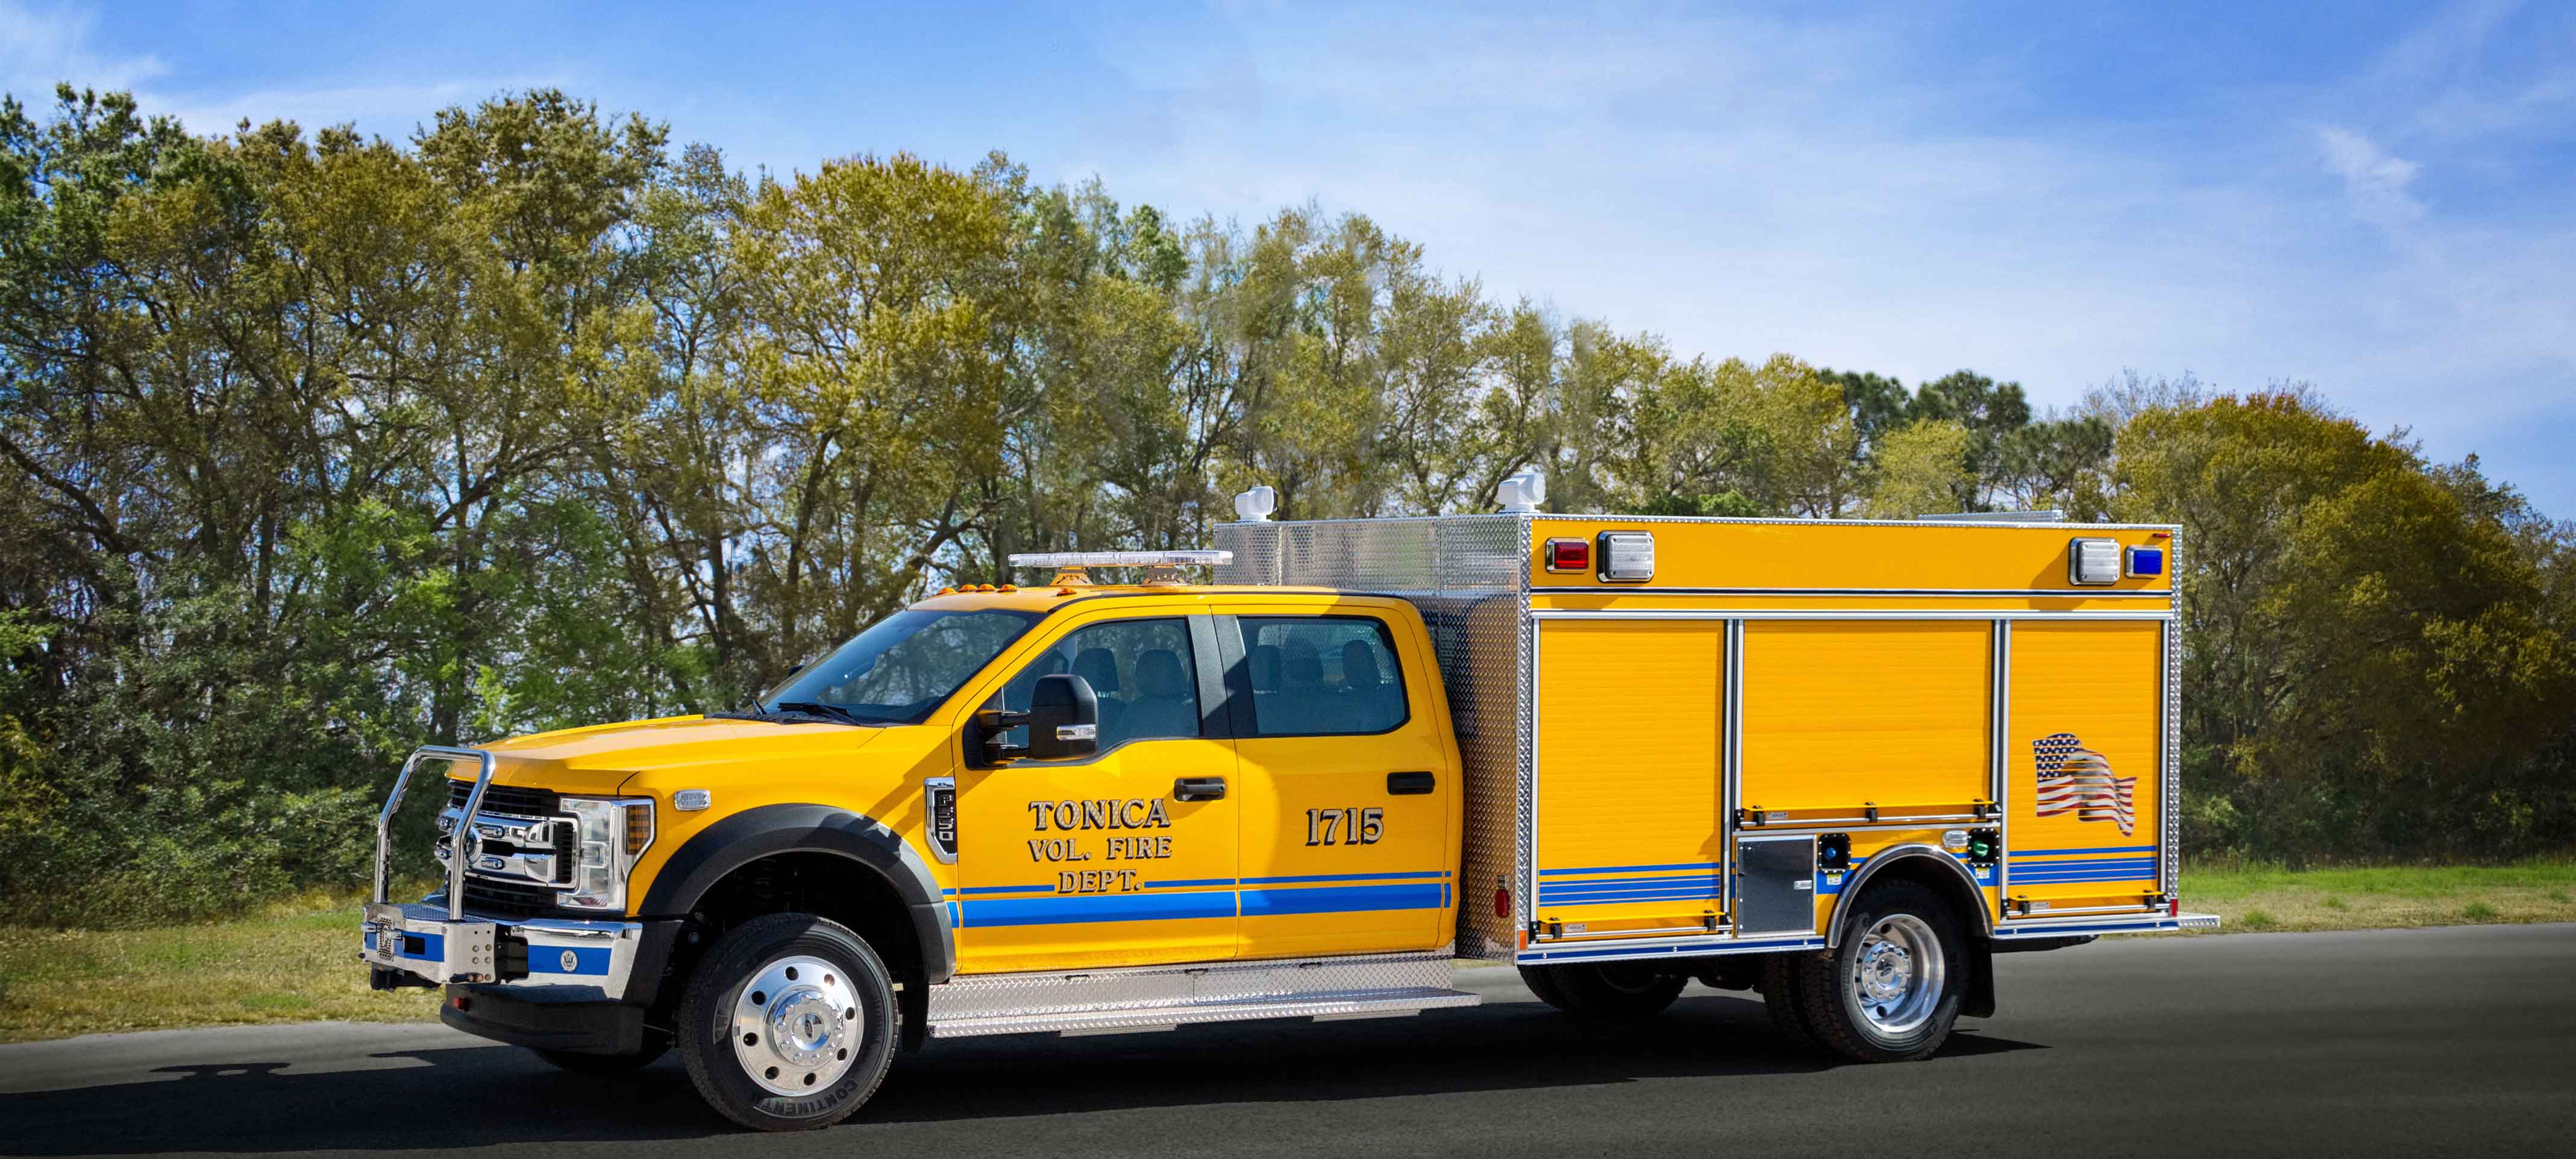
(795, 1025)
(1896, 978)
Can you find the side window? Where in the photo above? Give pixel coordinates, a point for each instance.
(1322, 675)
(1141, 670)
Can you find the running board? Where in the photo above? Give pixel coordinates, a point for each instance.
(1146, 998)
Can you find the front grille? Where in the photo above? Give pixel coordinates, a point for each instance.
(513, 898)
(501, 899)
(506, 799)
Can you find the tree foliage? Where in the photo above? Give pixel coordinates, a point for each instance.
(314, 447)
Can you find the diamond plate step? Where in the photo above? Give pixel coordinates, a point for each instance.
(1354, 1004)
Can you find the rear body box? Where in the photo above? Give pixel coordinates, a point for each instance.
(1708, 760)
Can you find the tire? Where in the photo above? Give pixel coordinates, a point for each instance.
(604, 1064)
(1610, 992)
(1780, 999)
(1891, 991)
(774, 1047)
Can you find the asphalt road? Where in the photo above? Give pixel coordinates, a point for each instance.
(2415, 1042)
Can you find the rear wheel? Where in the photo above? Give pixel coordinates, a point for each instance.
(1891, 991)
(1609, 992)
(788, 1024)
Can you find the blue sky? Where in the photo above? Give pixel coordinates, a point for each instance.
(2373, 199)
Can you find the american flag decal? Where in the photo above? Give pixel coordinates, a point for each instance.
(2075, 779)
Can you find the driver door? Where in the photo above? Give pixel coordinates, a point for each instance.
(1122, 858)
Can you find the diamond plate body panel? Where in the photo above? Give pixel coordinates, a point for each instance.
(1144, 996)
(1468, 575)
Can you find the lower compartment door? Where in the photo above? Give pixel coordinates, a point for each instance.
(1776, 892)
(1631, 804)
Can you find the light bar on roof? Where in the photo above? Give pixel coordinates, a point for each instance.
(1193, 558)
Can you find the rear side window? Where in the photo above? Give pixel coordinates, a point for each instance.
(1322, 675)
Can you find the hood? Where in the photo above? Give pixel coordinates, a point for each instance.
(600, 758)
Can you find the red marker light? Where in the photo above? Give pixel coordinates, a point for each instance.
(1502, 902)
(1569, 555)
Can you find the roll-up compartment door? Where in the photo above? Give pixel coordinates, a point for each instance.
(2084, 750)
(1630, 798)
(1845, 715)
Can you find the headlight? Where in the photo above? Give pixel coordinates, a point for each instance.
(608, 836)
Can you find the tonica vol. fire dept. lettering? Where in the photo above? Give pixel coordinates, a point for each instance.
(1133, 813)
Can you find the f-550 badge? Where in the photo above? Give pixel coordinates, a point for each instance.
(2075, 779)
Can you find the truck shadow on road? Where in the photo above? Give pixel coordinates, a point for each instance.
(469, 1097)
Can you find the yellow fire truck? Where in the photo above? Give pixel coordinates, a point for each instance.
(1841, 763)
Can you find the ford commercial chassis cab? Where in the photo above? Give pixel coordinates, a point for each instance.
(1840, 763)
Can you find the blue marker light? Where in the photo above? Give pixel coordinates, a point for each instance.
(2146, 561)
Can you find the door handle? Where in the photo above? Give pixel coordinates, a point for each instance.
(1409, 784)
(1198, 789)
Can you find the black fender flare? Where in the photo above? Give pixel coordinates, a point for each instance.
(1980, 999)
(752, 834)
(1980, 923)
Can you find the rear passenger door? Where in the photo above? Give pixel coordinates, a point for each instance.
(1348, 800)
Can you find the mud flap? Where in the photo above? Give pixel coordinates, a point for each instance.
(1979, 1001)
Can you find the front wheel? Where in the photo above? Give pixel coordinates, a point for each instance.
(1609, 992)
(789, 1023)
(1891, 991)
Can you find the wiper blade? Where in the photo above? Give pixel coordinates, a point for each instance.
(812, 708)
(787, 714)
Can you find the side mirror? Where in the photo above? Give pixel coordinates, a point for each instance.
(1063, 721)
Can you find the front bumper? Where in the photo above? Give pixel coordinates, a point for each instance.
(567, 1018)
(598, 958)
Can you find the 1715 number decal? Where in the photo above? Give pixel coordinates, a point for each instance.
(1345, 826)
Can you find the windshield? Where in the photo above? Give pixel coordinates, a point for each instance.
(898, 670)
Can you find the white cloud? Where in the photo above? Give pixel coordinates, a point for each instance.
(41, 49)
(2374, 179)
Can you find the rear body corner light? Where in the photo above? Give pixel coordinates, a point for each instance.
(1627, 557)
(1562, 556)
(2093, 562)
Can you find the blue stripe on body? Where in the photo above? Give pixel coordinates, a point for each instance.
(1344, 877)
(1694, 881)
(1620, 895)
(2088, 869)
(2046, 852)
(1339, 899)
(585, 960)
(1063, 909)
(1627, 868)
